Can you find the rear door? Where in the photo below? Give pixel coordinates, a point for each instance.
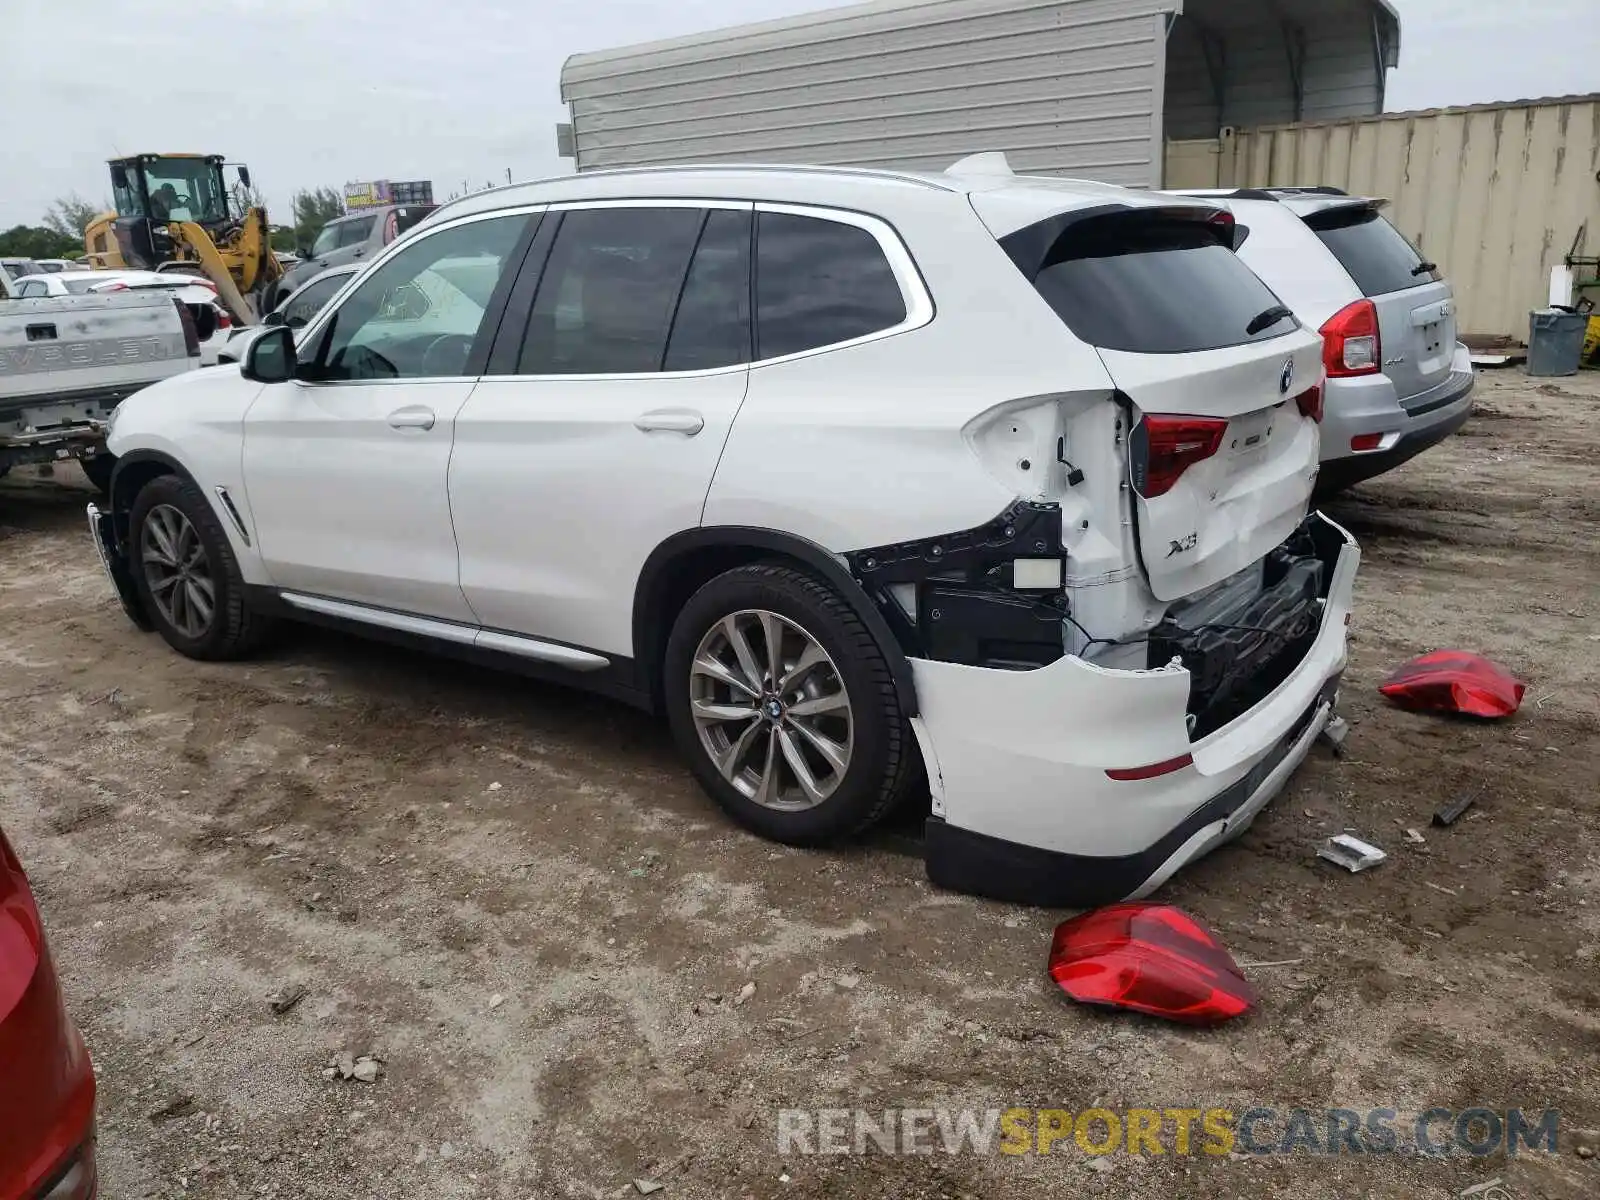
(616, 375)
(1209, 368)
(1416, 309)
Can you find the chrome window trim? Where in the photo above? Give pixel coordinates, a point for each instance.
(919, 303)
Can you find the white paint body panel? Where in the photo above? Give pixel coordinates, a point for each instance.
(559, 498)
(346, 505)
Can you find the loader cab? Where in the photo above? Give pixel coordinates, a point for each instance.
(176, 187)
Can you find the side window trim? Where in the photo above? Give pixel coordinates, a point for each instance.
(913, 289)
(310, 335)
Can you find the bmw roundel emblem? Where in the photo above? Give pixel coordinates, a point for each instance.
(1286, 380)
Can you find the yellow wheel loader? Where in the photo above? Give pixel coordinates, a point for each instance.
(175, 213)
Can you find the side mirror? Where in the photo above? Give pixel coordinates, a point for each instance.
(275, 317)
(119, 176)
(271, 357)
(244, 175)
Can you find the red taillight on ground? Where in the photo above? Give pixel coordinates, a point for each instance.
(1153, 770)
(1366, 441)
(1309, 402)
(1151, 958)
(1455, 681)
(1350, 343)
(1167, 446)
(191, 337)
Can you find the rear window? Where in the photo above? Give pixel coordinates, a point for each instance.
(1377, 255)
(1153, 285)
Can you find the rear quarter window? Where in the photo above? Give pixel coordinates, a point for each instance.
(1375, 253)
(1151, 285)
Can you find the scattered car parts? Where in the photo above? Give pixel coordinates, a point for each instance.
(1351, 853)
(1151, 958)
(1455, 681)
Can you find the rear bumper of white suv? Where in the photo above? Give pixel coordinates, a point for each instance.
(1025, 805)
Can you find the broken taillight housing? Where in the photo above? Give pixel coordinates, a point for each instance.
(1350, 343)
(1151, 958)
(1164, 447)
(1309, 402)
(1455, 681)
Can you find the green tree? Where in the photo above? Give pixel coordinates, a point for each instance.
(70, 215)
(312, 210)
(33, 241)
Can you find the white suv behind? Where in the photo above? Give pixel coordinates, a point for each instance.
(861, 477)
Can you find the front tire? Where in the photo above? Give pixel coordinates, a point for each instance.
(186, 574)
(784, 705)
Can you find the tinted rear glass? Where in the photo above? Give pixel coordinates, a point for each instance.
(1153, 285)
(1375, 253)
(818, 283)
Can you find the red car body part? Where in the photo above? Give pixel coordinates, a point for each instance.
(47, 1087)
(1455, 681)
(1151, 958)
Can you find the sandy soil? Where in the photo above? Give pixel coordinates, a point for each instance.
(409, 840)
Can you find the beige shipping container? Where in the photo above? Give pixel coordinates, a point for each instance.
(1497, 194)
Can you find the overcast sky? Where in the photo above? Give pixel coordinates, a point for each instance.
(320, 92)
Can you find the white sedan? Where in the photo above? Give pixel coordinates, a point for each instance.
(198, 294)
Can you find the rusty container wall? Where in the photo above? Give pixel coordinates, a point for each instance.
(1496, 194)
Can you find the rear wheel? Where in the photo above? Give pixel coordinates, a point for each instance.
(784, 706)
(186, 574)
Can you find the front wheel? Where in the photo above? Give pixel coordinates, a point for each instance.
(186, 574)
(783, 703)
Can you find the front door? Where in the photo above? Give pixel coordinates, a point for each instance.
(345, 467)
(596, 433)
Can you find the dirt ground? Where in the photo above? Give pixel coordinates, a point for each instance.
(517, 898)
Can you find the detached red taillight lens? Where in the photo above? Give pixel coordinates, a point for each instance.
(1350, 343)
(1151, 958)
(1164, 447)
(1309, 402)
(21, 935)
(1455, 681)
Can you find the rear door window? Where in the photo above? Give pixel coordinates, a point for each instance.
(712, 326)
(609, 290)
(1152, 284)
(1375, 253)
(353, 233)
(818, 283)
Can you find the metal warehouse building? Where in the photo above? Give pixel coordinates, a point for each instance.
(1082, 87)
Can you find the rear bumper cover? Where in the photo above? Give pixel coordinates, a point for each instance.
(1366, 406)
(1023, 808)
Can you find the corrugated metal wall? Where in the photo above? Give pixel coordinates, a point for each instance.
(1494, 193)
(1069, 86)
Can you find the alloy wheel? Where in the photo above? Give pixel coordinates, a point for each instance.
(177, 570)
(771, 709)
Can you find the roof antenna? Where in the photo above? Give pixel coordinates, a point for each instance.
(992, 162)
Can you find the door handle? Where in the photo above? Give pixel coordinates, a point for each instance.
(670, 420)
(414, 417)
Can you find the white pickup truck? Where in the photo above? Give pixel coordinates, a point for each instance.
(66, 362)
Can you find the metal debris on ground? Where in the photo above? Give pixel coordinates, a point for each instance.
(1414, 836)
(1351, 853)
(287, 998)
(646, 1186)
(1451, 813)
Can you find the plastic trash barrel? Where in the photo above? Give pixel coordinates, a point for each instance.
(1555, 341)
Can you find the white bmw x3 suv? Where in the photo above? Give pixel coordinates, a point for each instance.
(861, 477)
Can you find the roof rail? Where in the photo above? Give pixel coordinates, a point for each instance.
(806, 168)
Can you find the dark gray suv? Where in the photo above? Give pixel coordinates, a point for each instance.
(351, 238)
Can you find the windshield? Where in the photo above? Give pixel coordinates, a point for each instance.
(183, 189)
(327, 241)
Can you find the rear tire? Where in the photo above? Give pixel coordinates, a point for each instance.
(825, 750)
(186, 574)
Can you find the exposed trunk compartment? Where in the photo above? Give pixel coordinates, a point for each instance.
(1243, 637)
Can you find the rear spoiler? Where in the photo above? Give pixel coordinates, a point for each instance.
(1030, 246)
